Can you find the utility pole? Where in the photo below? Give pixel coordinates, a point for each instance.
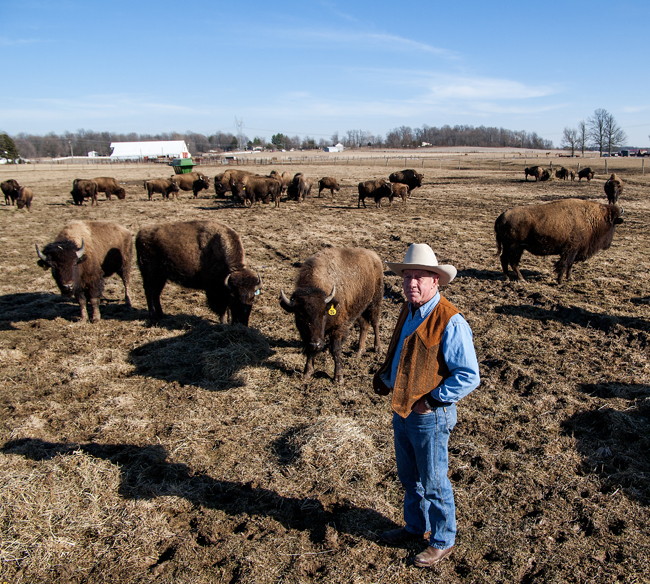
(239, 124)
(70, 144)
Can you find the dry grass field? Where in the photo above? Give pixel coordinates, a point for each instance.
(193, 452)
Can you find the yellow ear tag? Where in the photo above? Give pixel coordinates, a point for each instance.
(331, 311)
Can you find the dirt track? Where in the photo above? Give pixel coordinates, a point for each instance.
(194, 452)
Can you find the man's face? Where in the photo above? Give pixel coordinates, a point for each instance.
(420, 286)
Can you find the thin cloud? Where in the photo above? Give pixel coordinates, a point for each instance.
(485, 88)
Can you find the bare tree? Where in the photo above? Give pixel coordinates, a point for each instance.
(570, 139)
(596, 129)
(583, 136)
(614, 134)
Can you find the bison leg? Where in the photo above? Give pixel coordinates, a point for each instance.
(512, 257)
(94, 307)
(564, 264)
(336, 349)
(152, 290)
(364, 325)
(309, 367)
(81, 299)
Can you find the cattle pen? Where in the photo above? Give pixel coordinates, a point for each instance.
(194, 451)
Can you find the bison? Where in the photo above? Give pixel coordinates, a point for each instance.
(377, 189)
(400, 190)
(10, 190)
(24, 198)
(300, 187)
(164, 186)
(253, 188)
(192, 181)
(562, 173)
(335, 288)
(109, 186)
(284, 178)
(82, 255)
(202, 255)
(408, 176)
(613, 189)
(327, 182)
(586, 173)
(84, 189)
(574, 229)
(222, 182)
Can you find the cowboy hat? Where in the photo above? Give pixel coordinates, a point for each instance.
(419, 256)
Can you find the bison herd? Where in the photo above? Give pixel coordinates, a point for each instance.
(334, 289)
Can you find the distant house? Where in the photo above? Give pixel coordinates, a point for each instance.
(141, 150)
(338, 148)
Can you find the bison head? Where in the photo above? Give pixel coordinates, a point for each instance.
(243, 286)
(63, 257)
(313, 309)
(121, 194)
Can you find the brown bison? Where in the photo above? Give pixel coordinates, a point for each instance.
(24, 198)
(299, 188)
(82, 255)
(562, 173)
(222, 182)
(613, 189)
(335, 288)
(540, 174)
(109, 186)
(202, 255)
(328, 182)
(586, 173)
(571, 228)
(164, 186)
(400, 190)
(192, 181)
(252, 188)
(408, 176)
(375, 188)
(572, 174)
(284, 178)
(10, 190)
(84, 189)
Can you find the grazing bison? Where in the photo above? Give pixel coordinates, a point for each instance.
(408, 176)
(253, 188)
(24, 198)
(328, 182)
(10, 190)
(562, 173)
(375, 188)
(571, 228)
(82, 255)
(572, 174)
(586, 173)
(192, 181)
(335, 288)
(164, 186)
(613, 189)
(109, 186)
(222, 182)
(84, 189)
(299, 188)
(203, 255)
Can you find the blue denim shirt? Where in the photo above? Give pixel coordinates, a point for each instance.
(457, 349)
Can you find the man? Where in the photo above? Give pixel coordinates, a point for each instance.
(430, 365)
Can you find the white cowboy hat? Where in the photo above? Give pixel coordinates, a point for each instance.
(419, 256)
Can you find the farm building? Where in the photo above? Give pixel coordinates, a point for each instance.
(140, 150)
(338, 148)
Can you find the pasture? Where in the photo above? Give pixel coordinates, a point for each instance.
(193, 452)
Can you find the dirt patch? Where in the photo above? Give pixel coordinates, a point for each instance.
(194, 452)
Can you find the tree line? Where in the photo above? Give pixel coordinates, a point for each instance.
(600, 132)
(83, 141)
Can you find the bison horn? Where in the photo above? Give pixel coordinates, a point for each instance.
(82, 249)
(332, 294)
(225, 282)
(41, 254)
(259, 280)
(283, 298)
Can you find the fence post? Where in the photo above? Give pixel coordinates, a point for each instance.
(578, 167)
(386, 160)
(459, 164)
(605, 166)
(499, 165)
(643, 166)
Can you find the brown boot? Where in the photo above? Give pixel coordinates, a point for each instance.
(431, 556)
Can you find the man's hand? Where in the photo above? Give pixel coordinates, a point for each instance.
(422, 406)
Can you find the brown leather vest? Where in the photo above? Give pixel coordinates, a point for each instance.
(422, 366)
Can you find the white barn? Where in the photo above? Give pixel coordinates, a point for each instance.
(140, 150)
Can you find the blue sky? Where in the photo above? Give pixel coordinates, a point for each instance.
(315, 68)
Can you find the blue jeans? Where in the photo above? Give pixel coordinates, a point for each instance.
(422, 462)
